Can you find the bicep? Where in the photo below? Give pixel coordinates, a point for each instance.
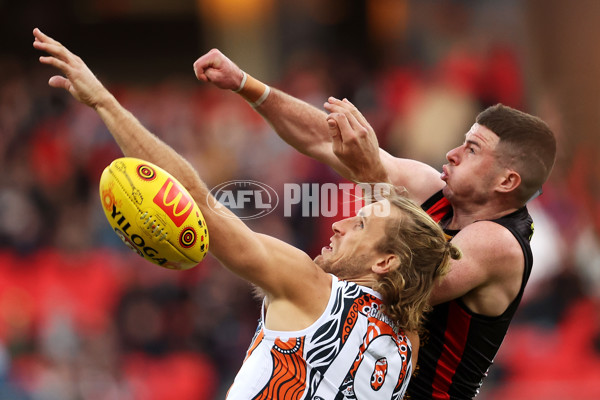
(272, 264)
(491, 257)
(471, 270)
(289, 272)
(463, 276)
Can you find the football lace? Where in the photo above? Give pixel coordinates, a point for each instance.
(153, 226)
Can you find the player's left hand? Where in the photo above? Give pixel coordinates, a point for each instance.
(78, 80)
(354, 141)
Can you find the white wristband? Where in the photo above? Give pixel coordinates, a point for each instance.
(262, 98)
(244, 78)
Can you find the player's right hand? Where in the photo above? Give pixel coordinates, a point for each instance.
(78, 80)
(216, 68)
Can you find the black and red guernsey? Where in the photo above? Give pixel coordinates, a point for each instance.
(458, 346)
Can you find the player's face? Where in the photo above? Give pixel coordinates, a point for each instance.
(473, 168)
(352, 251)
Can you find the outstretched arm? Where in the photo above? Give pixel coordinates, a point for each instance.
(342, 139)
(298, 123)
(255, 257)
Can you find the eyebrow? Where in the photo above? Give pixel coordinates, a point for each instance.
(472, 143)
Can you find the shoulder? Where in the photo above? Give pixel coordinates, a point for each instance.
(490, 246)
(489, 273)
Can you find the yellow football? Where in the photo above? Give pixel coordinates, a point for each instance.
(153, 213)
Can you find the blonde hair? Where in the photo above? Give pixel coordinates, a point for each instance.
(424, 254)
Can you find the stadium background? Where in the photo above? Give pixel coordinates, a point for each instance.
(83, 318)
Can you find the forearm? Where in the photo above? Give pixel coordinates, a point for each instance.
(137, 141)
(298, 123)
(308, 130)
(227, 232)
(251, 256)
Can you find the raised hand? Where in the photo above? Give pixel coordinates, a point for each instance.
(219, 70)
(354, 141)
(78, 80)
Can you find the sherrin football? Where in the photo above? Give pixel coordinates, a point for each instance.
(153, 213)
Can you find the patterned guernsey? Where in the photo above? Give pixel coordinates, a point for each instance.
(353, 351)
(459, 346)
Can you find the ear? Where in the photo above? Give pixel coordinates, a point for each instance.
(385, 264)
(509, 181)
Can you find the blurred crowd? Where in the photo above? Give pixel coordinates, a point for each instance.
(82, 317)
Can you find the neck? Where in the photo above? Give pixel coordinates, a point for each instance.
(362, 281)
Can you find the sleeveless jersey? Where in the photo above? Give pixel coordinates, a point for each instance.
(353, 351)
(458, 345)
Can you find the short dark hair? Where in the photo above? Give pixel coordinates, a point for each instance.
(527, 145)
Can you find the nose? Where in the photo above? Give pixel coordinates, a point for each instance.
(452, 155)
(336, 227)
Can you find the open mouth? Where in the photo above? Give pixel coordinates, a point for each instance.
(326, 249)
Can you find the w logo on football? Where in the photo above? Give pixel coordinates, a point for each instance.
(175, 202)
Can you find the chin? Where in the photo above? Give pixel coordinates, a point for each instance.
(325, 265)
(447, 192)
(318, 260)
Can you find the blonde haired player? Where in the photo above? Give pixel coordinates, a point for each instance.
(479, 199)
(342, 324)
